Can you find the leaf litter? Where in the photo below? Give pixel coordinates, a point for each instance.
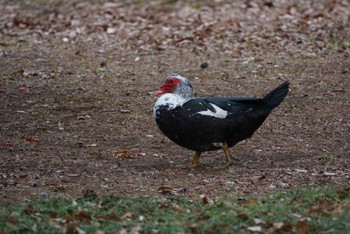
(91, 65)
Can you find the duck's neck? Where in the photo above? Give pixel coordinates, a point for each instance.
(169, 101)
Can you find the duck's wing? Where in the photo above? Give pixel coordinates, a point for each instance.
(221, 107)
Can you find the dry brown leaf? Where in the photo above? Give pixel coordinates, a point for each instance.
(32, 138)
(127, 215)
(69, 227)
(302, 227)
(243, 216)
(166, 189)
(9, 143)
(112, 216)
(296, 199)
(83, 217)
(248, 202)
(207, 200)
(336, 209)
(262, 223)
(89, 193)
(122, 154)
(321, 207)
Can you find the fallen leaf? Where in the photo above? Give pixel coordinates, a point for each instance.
(125, 111)
(53, 214)
(343, 193)
(32, 138)
(22, 88)
(136, 230)
(8, 143)
(23, 176)
(29, 209)
(255, 229)
(89, 193)
(206, 200)
(83, 117)
(69, 227)
(301, 170)
(321, 207)
(122, 154)
(166, 189)
(258, 221)
(330, 173)
(80, 231)
(127, 215)
(111, 30)
(249, 202)
(21, 111)
(123, 231)
(284, 185)
(302, 227)
(296, 199)
(12, 220)
(83, 217)
(193, 229)
(282, 226)
(262, 223)
(336, 209)
(112, 216)
(242, 215)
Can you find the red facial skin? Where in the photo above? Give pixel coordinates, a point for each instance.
(168, 86)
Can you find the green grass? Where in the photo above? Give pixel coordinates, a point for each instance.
(297, 211)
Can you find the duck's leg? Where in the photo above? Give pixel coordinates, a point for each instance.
(227, 155)
(194, 163)
(195, 159)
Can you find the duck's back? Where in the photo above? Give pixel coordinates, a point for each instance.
(204, 124)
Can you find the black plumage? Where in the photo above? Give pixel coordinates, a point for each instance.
(204, 124)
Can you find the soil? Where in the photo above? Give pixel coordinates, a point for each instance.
(76, 103)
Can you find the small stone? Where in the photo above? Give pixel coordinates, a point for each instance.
(299, 40)
(204, 65)
(111, 30)
(43, 196)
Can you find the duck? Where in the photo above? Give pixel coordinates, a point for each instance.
(213, 123)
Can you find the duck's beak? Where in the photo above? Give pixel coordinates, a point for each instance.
(163, 89)
(158, 93)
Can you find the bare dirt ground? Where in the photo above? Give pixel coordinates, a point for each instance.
(76, 77)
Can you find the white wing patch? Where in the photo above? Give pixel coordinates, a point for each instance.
(219, 113)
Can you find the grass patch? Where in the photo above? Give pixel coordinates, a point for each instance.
(297, 211)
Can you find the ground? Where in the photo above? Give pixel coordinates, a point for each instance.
(76, 103)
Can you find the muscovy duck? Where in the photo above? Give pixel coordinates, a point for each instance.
(205, 124)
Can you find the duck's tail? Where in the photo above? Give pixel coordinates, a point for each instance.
(276, 96)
